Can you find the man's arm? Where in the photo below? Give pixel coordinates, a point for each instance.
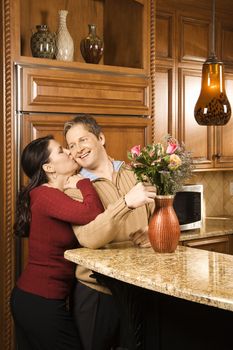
(106, 225)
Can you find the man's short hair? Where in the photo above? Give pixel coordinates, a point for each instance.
(88, 122)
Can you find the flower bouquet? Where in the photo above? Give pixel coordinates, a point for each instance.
(165, 165)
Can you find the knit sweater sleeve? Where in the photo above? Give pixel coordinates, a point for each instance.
(58, 205)
(105, 227)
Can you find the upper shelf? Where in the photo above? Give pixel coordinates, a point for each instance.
(122, 24)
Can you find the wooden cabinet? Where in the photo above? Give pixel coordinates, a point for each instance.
(116, 91)
(183, 34)
(219, 244)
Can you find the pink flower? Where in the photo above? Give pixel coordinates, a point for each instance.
(136, 150)
(171, 148)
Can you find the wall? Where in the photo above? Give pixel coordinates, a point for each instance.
(217, 198)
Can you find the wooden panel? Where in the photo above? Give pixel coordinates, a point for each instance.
(164, 35)
(194, 42)
(58, 90)
(121, 133)
(198, 139)
(123, 33)
(163, 103)
(227, 47)
(224, 144)
(214, 244)
(231, 244)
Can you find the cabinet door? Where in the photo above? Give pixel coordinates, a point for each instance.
(223, 134)
(198, 139)
(214, 244)
(71, 91)
(121, 134)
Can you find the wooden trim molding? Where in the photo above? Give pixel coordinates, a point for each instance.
(152, 63)
(7, 181)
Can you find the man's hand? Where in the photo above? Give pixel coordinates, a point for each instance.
(139, 195)
(140, 238)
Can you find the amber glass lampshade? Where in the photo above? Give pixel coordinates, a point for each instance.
(212, 107)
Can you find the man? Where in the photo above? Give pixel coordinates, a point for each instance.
(126, 217)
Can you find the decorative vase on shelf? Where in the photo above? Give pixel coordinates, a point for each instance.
(43, 42)
(64, 42)
(92, 46)
(164, 228)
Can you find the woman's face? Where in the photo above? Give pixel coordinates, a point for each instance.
(60, 159)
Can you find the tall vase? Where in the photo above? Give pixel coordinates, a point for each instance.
(164, 228)
(43, 42)
(64, 42)
(92, 46)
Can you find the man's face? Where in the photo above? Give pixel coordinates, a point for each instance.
(85, 147)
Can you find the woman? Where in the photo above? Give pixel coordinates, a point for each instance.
(44, 212)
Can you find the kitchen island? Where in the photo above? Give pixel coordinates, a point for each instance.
(189, 292)
(191, 274)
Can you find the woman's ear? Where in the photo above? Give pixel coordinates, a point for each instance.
(48, 168)
(102, 138)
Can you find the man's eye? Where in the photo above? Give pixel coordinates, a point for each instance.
(71, 146)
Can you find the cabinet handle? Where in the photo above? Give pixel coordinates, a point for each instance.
(217, 155)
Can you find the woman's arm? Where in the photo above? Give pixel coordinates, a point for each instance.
(57, 204)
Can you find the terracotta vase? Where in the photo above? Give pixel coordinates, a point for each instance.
(92, 46)
(64, 42)
(164, 228)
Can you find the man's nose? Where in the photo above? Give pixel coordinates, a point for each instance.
(78, 148)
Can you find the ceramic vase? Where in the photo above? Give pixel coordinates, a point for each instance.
(64, 42)
(164, 228)
(92, 46)
(43, 43)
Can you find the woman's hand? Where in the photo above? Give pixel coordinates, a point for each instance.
(72, 181)
(139, 195)
(140, 238)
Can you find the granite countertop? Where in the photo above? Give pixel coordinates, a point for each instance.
(212, 226)
(188, 273)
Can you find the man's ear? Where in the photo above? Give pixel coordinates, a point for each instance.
(102, 138)
(48, 168)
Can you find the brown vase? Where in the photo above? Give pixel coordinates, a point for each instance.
(92, 46)
(164, 228)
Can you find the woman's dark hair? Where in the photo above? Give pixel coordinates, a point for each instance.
(34, 155)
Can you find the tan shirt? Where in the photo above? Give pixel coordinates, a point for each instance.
(115, 224)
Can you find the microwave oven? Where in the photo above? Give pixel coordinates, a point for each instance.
(188, 205)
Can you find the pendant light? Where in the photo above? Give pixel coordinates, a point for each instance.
(212, 107)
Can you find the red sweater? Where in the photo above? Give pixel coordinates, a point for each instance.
(47, 273)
